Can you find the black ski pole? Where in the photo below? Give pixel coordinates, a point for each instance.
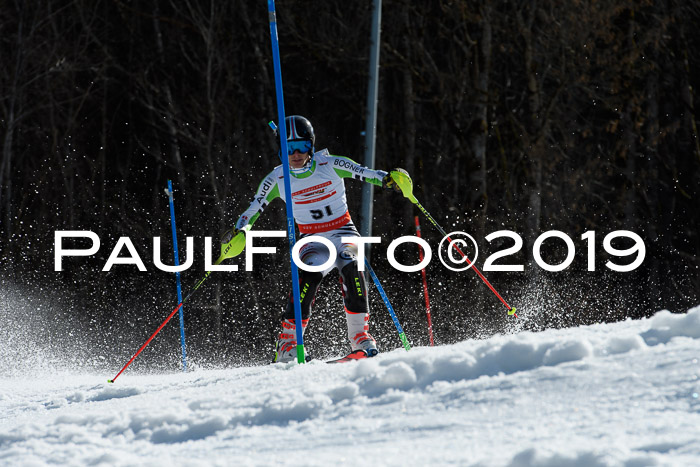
(406, 185)
(231, 249)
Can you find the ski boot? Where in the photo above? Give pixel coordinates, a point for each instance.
(286, 345)
(366, 342)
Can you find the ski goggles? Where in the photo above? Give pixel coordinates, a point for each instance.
(302, 146)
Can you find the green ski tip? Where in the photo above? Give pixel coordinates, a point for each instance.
(511, 312)
(110, 380)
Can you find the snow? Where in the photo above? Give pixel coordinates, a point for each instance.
(621, 394)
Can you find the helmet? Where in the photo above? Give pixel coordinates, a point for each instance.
(300, 134)
(300, 137)
(299, 128)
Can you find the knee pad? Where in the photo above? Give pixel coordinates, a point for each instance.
(308, 285)
(354, 289)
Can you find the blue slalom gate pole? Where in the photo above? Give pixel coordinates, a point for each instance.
(402, 335)
(177, 275)
(287, 187)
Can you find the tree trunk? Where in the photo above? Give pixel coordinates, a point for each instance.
(170, 112)
(532, 125)
(479, 126)
(409, 114)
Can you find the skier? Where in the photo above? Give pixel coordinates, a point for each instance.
(320, 209)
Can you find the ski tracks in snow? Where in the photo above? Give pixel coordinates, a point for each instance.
(602, 395)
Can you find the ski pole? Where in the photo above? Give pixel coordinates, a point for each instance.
(231, 249)
(404, 182)
(402, 335)
(425, 286)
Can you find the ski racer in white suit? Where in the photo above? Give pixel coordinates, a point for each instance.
(320, 209)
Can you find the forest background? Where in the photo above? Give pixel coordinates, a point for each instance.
(521, 115)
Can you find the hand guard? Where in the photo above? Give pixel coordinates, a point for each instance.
(389, 182)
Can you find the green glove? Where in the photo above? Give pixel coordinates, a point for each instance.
(233, 242)
(228, 235)
(399, 180)
(388, 182)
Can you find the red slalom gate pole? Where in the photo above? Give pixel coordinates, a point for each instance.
(177, 308)
(425, 287)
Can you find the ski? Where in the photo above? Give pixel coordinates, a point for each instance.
(358, 354)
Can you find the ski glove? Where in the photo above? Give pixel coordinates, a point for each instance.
(233, 242)
(228, 235)
(389, 182)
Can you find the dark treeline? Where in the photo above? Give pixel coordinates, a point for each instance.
(521, 115)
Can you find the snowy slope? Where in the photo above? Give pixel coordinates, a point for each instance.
(613, 394)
